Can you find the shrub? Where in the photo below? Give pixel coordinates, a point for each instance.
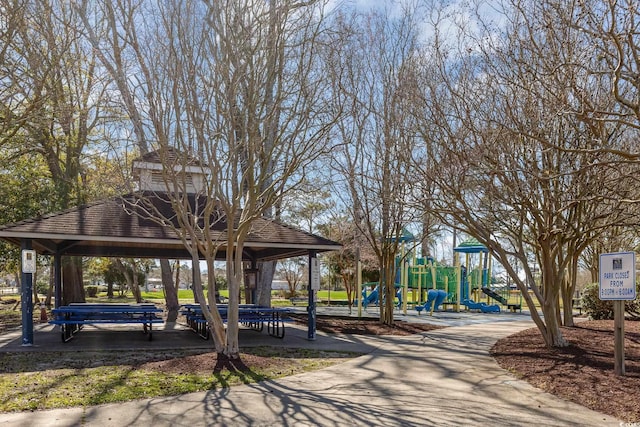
(632, 308)
(602, 310)
(221, 281)
(42, 287)
(595, 308)
(92, 291)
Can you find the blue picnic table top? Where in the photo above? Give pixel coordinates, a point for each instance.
(72, 317)
(107, 308)
(251, 314)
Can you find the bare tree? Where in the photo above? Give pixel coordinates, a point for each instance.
(612, 28)
(293, 271)
(204, 72)
(612, 240)
(342, 263)
(307, 205)
(133, 271)
(505, 138)
(371, 73)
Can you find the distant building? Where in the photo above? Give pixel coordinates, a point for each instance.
(280, 285)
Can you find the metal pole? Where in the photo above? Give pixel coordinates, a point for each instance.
(311, 306)
(26, 302)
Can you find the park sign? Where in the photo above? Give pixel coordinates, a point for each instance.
(618, 276)
(618, 283)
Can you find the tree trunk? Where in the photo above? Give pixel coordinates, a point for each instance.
(17, 278)
(232, 348)
(216, 325)
(234, 271)
(349, 289)
(170, 291)
(569, 289)
(36, 297)
(387, 288)
(47, 301)
(552, 334)
(135, 286)
(266, 271)
(210, 312)
(548, 324)
(131, 276)
(567, 301)
(72, 289)
(110, 290)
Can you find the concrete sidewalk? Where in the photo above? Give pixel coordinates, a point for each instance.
(444, 377)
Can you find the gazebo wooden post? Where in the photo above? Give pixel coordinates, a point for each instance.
(57, 279)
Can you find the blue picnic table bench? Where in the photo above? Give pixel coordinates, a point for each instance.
(249, 315)
(73, 317)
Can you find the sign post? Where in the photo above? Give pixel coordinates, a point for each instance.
(618, 283)
(314, 287)
(26, 297)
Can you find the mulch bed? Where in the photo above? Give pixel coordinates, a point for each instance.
(583, 372)
(364, 326)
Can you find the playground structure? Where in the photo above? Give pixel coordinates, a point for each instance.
(458, 285)
(433, 284)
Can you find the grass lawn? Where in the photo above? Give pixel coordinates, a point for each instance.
(45, 380)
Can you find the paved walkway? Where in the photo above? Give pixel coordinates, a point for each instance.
(441, 378)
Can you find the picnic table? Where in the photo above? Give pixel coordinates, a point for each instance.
(250, 315)
(74, 316)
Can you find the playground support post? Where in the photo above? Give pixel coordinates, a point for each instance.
(489, 267)
(446, 285)
(433, 274)
(458, 273)
(419, 300)
(467, 260)
(405, 285)
(359, 283)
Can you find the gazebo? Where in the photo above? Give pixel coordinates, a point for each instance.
(121, 227)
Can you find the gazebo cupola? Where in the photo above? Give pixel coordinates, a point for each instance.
(155, 172)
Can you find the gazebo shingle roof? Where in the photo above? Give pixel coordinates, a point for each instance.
(119, 227)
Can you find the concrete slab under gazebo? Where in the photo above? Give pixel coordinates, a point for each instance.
(120, 227)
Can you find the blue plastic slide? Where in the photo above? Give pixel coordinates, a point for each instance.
(483, 307)
(435, 297)
(372, 298)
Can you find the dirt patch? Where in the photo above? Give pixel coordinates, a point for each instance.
(364, 326)
(583, 372)
(260, 359)
(209, 362)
